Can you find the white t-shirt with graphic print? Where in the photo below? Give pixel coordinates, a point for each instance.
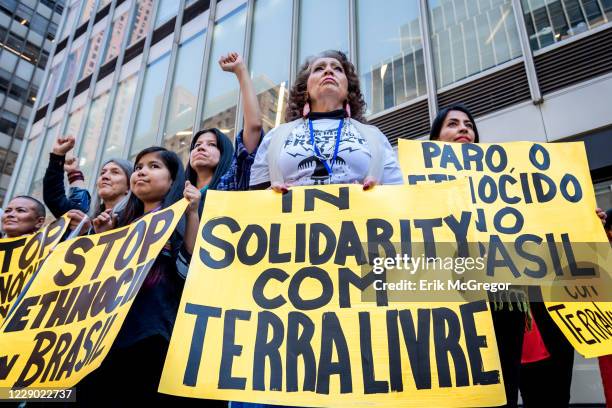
(301, 167)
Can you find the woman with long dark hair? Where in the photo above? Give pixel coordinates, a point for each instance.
(133, 367)
(456, 124)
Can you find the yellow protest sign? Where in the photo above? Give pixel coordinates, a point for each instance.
(274, 311)
(66, 321)
(535, 214)
(21, 257)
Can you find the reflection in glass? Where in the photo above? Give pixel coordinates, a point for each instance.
(149, 109)
(552, 21)
(70, 19)
(39, 172)
(70, 71)
(74, 122)
(95, 44)
(122, 109)
(271, 23)
(468, 37)
(51, 81)
(92, 135)
(390, 53)
(141, 20)
(166, 9)
(222, 87)
(87, 9)
(28, 161)
(323, 26)
(184, 95)
(117, 34)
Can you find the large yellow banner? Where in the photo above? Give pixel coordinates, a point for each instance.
(274, 307)
(536, 217)
(67, 319)
(21, 257)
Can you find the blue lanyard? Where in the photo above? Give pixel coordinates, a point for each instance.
(318, 152)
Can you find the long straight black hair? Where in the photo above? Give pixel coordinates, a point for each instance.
(134, 208)
(438, 122)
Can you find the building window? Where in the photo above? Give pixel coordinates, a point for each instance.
(470, 36)
(149, 108)
(117, 34)
(184, 95)
(70, 19)
(271, 25)
(39, 172)
(390, 53)
(122, 109)
(222, 87)
(72, 65)
(93, 133)
(166, 10)
(93, 52)
(321, 31)
(555, 20)
(87, 10)
(27, 164)
(141, 21)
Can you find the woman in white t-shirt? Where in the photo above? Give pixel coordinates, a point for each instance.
(325, 141)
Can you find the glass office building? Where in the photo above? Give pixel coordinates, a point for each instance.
(27, 35)
(126, 74)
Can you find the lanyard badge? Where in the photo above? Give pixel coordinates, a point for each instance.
(326, 163)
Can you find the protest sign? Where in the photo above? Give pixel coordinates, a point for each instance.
(21, 257)
(66, 321)
(535, 214)
(273, 309)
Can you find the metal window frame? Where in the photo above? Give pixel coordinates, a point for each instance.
(139, 85)
(113, 91)
(532, 76)
(176, 39)
(428, 61)
(246, 54)
(210, 29)
(92, 84)
(23, 106)
(50, 107)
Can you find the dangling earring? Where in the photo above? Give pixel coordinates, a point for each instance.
(347, 108)
(306, 110)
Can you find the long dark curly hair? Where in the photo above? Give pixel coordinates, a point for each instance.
(298, 96)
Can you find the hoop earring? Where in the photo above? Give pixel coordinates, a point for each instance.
(306, 110)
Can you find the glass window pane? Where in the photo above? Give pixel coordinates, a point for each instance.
(87, 9)
(93, 52)
(552, 21)
(141, 20)
(320, 31)
(117, 34)
(166, 10)
(390, 53)
(29, 159)
(122, 109)
(70, 70)
(271, 25)
(222, 87)
(41, 165)
(92, 135)
(478, 36)
(150, 105)
(51, 81)
(184, 95)
(74, 122)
